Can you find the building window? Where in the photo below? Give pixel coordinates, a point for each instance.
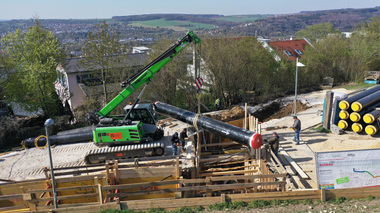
(288, 53)
(299, 52)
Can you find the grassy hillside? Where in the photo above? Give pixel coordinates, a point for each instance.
(243, 18)
(175, 25)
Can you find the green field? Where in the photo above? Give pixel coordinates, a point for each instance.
(175, 25)
(244, 18)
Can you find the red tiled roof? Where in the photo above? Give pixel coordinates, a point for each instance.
(291, 46)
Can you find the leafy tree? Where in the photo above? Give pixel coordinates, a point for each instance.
(105, 58)
(344, 59)
(366, 45)
(236, 65)
(172, 85)
(317, 31)
(33, 56)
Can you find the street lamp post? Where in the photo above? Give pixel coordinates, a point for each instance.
(48, 123)
(298, 64)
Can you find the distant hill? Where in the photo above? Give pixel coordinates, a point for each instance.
(173, 21)
(281, 25)
(151, 26)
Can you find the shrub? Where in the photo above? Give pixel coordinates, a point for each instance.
(219, 206)
(307, 201)
(276, 202)
(156, 210)
(371, 197)
(238, 205)
(290, 202)
(259, 204)
(340, 200)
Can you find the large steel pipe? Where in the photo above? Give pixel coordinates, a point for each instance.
(344, 114)
(357, 116)
(82, 137)
(371, 129)
(371, 117)
(345, 104)
(242, 136)
(366, 101)
(344, 124)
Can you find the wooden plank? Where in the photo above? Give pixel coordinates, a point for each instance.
(227, 173)
(139, 185)
(68, 197)
(148, 192)
(79, 178)
(78, 172)
(63, 189)
(353, 193)
(328, 109)
(225, 159)
(226, 169)
(245, 177)
(88, 208)
(223, 164)
(19, 208)
(293, 164)
(147, 172)
(222, 187)
(10, 197)
(171, 204)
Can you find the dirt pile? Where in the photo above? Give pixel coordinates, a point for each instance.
(288, 110)
(278, 110)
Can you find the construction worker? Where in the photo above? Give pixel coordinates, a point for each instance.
(182, 139)
(217, 103)
(274, 143)
(175, 143)
(297, 128)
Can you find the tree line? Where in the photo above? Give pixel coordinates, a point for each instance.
(232, 66)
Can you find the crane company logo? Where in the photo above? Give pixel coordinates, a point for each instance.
(116, 135)
(326, 164)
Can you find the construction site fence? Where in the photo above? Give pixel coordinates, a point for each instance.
(178, 202)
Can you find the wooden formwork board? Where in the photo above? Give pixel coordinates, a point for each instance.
(354, 193)
(19, 188)
(141, 177)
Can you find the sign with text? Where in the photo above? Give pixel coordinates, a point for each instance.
(348, 169)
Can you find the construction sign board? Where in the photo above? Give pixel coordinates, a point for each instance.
(348, 169)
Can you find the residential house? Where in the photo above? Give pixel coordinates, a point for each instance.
(141, 50)
(289, 49)
(73, 80)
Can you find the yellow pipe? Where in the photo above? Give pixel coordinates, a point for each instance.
(368, 118)
(356, 106)
(370, 130)
(343, 114)
(356, 127)
(344, 105)
(355, 117)
(342, 124)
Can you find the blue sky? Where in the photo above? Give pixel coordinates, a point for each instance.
(83, 9)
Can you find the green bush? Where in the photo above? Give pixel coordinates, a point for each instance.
(371, 197)
(156, 210)
(259, 204)
(307, 201)
(290, 202)
(276, 202)
(219, 206)
(199, 208)
(184, 209)
(340, 200)
(238, 205)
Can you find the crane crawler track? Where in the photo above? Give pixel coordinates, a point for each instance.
(122, 152)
